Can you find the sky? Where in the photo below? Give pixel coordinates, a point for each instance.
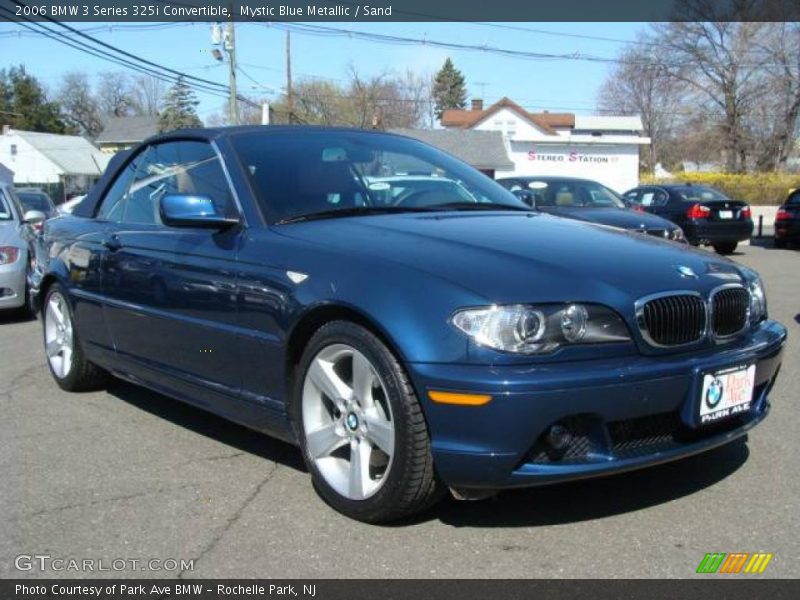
(555, 85)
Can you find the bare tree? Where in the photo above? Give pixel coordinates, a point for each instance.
(147, 95)
(380, 101)
(775, 126)
(79, 104)
(640, 85)
(115, 95)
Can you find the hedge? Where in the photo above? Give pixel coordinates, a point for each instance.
(753, 188)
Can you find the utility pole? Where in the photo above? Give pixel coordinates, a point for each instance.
(230, 46)
(228, 43)
(289, 93)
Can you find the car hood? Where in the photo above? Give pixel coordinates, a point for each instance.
(516, 257)
(616, 217)
(9, 234)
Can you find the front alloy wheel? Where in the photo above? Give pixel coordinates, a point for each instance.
(58, 339)
(68, 365)
(361, 428)
(347, 421)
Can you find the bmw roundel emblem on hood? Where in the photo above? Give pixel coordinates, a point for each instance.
(686, 272)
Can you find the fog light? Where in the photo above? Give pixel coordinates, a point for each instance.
(559, 437)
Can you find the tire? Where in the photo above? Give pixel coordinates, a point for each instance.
(404, 481)
(780, 243)
(65, 358)
(725, 247)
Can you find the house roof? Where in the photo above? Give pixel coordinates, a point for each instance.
(73, 154)
(481, 149)
(546, 121)
(6, 174)
(128, 130)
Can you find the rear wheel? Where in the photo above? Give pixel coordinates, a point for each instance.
(725, 247)
(361, 428)
(68, 365)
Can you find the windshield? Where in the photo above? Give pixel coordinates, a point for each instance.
(572, 194)
(318, 172)
(695, 193)
(35, 201)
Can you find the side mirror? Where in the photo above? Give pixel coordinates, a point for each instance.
(34, 217)
(526, 196)
(187, 210)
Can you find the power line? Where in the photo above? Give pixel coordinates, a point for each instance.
(327, 31)
(98, 53)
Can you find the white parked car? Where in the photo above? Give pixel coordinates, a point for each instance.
(16, 257)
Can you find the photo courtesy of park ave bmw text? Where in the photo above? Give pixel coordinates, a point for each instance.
(337, 299)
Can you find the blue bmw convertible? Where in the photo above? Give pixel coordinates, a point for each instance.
(408, 323)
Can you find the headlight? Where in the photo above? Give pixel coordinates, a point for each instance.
(525, 329)
(8, 255)
(758, 297)
(676, 235)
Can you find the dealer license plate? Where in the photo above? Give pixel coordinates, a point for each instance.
(726, 393)
(726, 214)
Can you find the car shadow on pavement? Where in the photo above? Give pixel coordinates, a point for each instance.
(530, 507)
(15, 316)
(207, 424)
(595, 498)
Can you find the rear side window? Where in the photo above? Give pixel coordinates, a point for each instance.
(699, 194)
(794, 199)
(653, 198)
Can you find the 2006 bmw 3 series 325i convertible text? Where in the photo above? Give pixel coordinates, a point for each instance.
(409, 323)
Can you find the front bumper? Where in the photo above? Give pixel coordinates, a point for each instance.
(12, 284)
(629, 413)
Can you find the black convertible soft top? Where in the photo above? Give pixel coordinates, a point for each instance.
(88, 206)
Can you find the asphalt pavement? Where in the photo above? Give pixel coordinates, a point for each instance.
(127, 474)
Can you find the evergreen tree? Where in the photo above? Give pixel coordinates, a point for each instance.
(180, 107)
(24, 104)
(449, 90)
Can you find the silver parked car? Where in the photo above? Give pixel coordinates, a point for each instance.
(16, 257)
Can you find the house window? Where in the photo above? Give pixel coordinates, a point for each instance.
(13, 149)
(511, 128)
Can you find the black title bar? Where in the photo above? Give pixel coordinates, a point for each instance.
(399, 10)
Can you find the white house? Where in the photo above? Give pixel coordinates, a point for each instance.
(603, 148)
(68, 162)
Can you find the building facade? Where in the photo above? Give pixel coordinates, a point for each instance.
(63, 165)
(603, 148)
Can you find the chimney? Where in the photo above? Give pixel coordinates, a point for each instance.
(477, 104)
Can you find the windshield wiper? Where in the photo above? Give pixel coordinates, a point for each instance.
(349, 212)
(477, 206)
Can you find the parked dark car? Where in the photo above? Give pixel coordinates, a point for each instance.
(587, 200)
(706, 215)
(787, 221)
(406, 348)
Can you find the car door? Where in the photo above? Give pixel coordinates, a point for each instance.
(171, 303)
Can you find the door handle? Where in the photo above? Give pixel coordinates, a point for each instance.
(113, 243)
